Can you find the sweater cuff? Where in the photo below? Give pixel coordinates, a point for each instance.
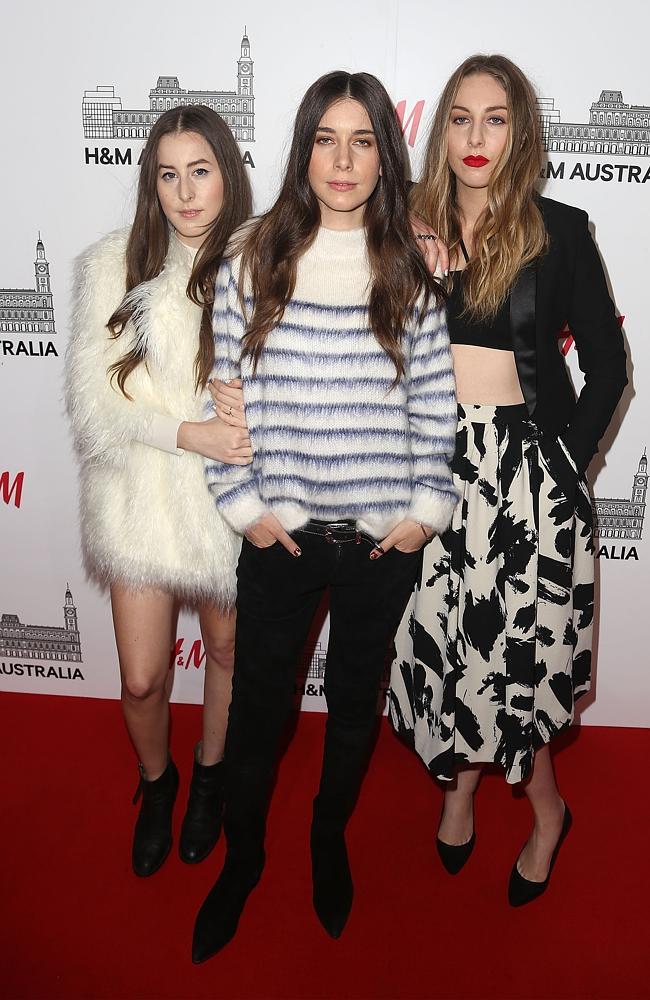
(162, 433)
(432, 509)
(241, 507)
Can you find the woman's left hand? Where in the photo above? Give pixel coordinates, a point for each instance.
(434, 251)
(228, 401)
(407, 536)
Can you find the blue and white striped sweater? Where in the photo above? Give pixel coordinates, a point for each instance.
(330, 438)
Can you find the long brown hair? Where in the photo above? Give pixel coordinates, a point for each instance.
(273, 245)
(148, 241)
(510, 232)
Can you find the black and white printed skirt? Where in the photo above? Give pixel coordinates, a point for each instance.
(495, 644)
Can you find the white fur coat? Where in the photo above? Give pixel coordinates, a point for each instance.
(147, 517)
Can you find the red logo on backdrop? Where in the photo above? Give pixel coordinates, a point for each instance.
(12, 491)
(413, 120)
(194, 658)
(565, 337)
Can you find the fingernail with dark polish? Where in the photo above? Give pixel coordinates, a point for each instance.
(374, 554)
(297, 552)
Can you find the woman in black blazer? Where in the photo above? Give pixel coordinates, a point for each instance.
(495, 646)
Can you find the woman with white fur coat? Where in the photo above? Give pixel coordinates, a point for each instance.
(138, 362)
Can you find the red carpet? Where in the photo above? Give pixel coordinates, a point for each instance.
(76, 923)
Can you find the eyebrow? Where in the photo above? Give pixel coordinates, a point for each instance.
(496, 107)
(357, 131)
(170, 166)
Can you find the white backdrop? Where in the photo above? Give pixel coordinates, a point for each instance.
(72, 188)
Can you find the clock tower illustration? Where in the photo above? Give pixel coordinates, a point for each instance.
(42, 269)
(27, 311)
(70, 612)
(245, 70)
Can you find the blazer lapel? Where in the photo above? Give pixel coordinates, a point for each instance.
(522, 327)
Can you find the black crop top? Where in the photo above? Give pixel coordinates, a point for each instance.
(493, 333)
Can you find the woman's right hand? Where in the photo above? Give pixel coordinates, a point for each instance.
(267, 531)
(228, 401)
(216, 440)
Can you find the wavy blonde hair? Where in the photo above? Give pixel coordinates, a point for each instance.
(510, 232)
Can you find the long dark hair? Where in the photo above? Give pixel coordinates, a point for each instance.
(273, 245)
(148, 241)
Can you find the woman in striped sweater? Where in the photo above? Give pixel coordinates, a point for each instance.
(329, 315)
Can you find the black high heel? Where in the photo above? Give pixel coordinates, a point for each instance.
(521, 890)
(455, 856)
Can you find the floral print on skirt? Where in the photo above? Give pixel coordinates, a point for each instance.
(495, 643)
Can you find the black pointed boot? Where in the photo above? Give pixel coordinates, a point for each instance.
(345, 758)
(244, 823)
(152, 837)
(333, 890)
(202, 822)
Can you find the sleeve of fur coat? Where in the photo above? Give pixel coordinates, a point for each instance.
(103, 420)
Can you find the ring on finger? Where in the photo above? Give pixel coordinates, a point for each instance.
(425, 236)
(230, 411)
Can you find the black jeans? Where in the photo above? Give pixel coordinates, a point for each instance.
(278, 595)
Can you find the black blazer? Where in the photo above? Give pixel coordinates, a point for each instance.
(567, 285)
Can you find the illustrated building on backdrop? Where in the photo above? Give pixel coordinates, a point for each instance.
(42, 642)
(623, 518)
(315, 666)
(29, 310)
(613, 127)
(104, 118)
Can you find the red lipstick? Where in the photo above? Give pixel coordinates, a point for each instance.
(475, 161)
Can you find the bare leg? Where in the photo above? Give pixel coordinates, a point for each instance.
(548, 809)
(457, 822)
(218, 631)
(143, 633)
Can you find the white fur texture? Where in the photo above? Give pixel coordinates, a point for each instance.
(147, 517)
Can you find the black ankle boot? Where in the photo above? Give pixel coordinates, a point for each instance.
(331, 880)
(202, 823)
(152, 838)
(216, 923)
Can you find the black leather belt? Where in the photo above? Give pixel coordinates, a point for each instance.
(336, 531)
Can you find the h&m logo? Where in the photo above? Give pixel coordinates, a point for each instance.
(412, 122)
(194, 658)
(12, 491)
